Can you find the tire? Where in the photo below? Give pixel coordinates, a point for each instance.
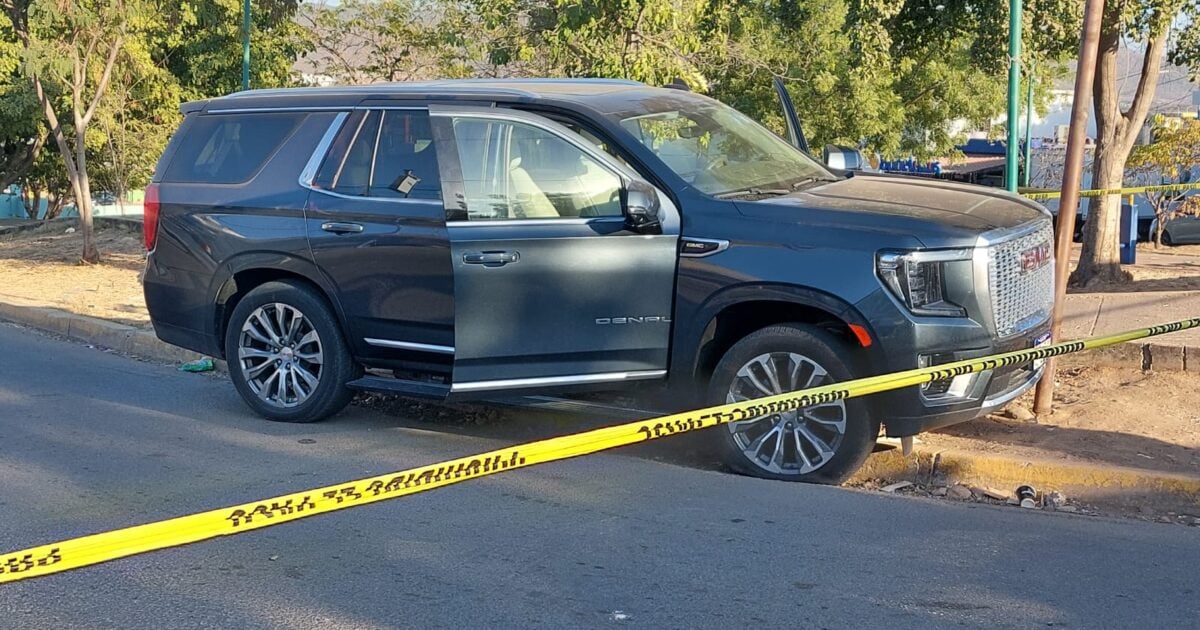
(800, 356)
(313, 360)
(1166, 239)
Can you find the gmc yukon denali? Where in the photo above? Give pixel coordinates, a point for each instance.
(581, 240)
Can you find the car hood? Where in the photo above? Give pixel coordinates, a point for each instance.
(937, 212)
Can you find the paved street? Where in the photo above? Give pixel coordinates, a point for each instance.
(91, 441)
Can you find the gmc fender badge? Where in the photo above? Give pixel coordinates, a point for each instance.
(648, 319)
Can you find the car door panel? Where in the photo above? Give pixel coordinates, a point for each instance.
(549, 294)
(384, 251)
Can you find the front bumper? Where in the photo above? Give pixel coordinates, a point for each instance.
(910, 411)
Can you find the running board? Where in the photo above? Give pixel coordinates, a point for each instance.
(568, 405)
(386, 385)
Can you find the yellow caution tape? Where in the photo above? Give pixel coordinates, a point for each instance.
(1099, 192)
(172, 532)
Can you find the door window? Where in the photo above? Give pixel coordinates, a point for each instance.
(513, 170)
(383, 153)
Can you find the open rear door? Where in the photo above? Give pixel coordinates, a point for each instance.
(795, 131)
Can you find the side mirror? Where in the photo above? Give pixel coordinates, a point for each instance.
(642, 208)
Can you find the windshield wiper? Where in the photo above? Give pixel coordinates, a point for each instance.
(809, 182)
(756, 192)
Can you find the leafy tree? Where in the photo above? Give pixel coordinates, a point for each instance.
(71, 48)
(200, 43)
(363, 41)
(1161, 28)
(21, 136)
(1172, 158)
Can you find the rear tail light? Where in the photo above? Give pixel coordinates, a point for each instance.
(150, 217)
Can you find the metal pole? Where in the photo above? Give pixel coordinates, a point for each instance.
(1043, 402)
(1028, 131)
(246, 44)
(1014, 90)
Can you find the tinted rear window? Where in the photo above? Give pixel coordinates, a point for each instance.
(230, 148)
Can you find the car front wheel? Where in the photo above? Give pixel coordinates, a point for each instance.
(822, 443)
(286, 354)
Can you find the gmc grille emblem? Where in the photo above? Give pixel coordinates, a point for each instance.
(1035, 257)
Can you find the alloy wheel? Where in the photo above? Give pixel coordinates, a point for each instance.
(793, 442)
(280, 354)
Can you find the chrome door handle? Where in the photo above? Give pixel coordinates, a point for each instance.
(342, 228)
(491, 259)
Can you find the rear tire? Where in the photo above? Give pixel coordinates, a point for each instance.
(820, 444)
(286, 354)
(1166, 239)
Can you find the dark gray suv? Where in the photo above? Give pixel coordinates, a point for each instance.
(548, 240)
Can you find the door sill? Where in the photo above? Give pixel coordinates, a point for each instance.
(385, 385)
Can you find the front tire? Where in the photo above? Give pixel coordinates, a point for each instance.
(819, 444)
(286, 354)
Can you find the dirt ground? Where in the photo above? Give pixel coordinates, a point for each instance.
(1163, 269)
(1120, 416)
(42, 266)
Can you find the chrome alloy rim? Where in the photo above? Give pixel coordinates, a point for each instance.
(280, 355)
(792, 442)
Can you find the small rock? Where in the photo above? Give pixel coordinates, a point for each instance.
(892, 487)
(1020, 413)
(1164, 519)
(619, 616)
(959, 493)
(69, 231)
(940, 491)
(273, 558)
(992, 493)
(1066, 508)
(1056, 500)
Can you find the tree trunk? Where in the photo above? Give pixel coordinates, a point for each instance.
(1116, 132)
(1158, 231)
(83, 201)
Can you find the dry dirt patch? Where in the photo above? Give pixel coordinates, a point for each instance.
(1102, 415)
(42, 267)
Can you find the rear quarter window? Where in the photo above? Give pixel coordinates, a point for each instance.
(229, 148)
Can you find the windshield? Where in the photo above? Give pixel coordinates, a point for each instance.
(721, 151)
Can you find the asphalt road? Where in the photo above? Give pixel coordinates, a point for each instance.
(91, 441)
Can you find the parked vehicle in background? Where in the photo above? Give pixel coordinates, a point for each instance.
(1182, 229)
(548, 238)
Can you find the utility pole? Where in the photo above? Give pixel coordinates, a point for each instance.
(245, 44)
(1028, 131)
(1043, 402)
(1014, 90)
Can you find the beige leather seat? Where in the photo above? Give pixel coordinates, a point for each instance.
(526, 198)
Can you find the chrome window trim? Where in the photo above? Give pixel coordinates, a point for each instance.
(314, 162)
(516, 383)
(515, 222)
(409, 345)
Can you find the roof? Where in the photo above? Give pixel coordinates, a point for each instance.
(599, 95)
(505, 87)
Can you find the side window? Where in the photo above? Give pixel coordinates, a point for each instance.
(382, 153)
(230, 148)
(512, 170)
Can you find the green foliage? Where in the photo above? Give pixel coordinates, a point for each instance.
(200, 43)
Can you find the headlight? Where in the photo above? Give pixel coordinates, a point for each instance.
(917, 278)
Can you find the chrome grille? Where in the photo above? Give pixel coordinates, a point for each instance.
(1020, 299)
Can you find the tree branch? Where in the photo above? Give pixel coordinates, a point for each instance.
(1147, 85)
(105, 77)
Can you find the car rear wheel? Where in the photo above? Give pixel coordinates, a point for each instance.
(822, 443)
(1166, 239)
(286, 354)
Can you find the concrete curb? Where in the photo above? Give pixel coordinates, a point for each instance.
(99, 332)
(1096, 484)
